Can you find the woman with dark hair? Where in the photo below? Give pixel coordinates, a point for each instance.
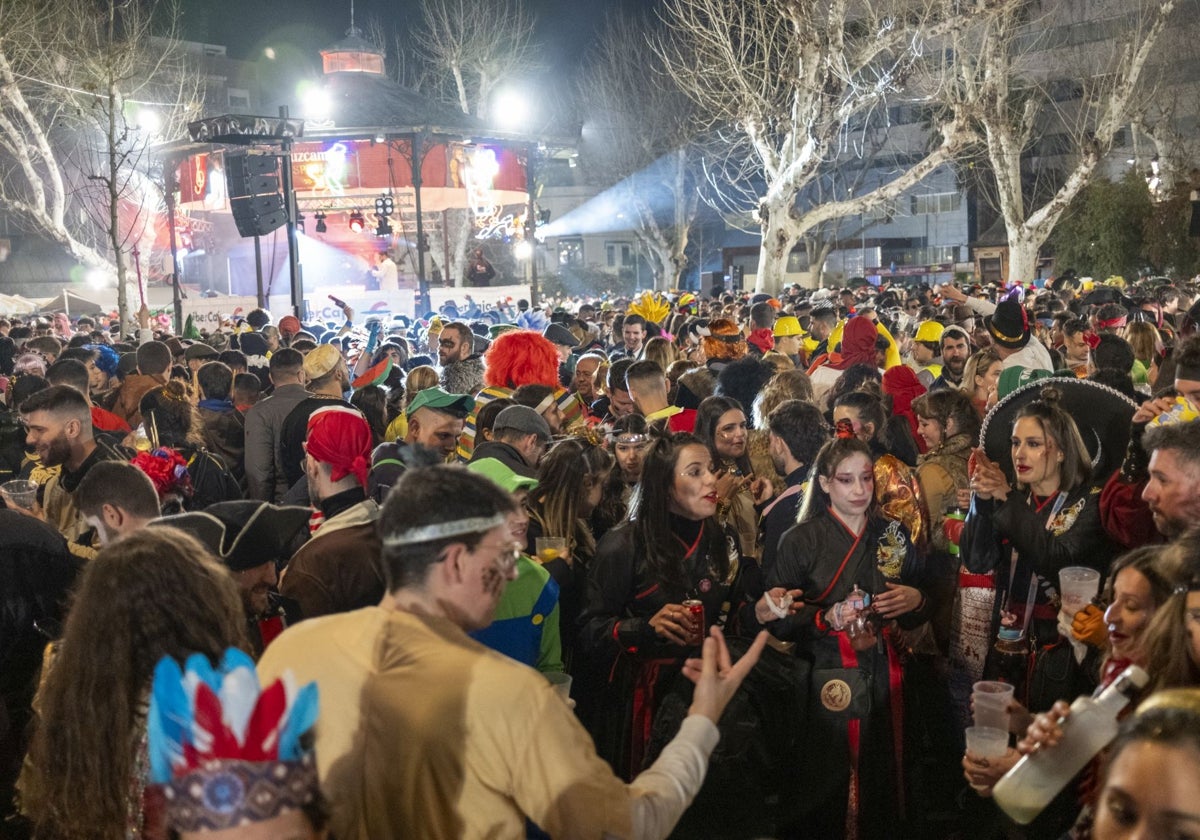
(628, 441)
(883, 434)
(485, 419)
(1140, 583)
(173, 426)
(156, 593)
(571, 479)
(721, 425)
(1021, 536)
(856, 570)
(636, 626)
(371, 400)
(949, 426)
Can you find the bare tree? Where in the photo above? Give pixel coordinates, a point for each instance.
(477, 45)
(1010, 76)
(469, 49)
(85, 89)
(783, 82)
(640, 138)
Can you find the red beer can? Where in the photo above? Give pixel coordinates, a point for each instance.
(696, 609)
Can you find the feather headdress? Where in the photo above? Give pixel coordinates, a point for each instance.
(227, 752)
(652, 306)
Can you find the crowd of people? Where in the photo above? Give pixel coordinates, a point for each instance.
(684, 565)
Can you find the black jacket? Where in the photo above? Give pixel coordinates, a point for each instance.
(1044, 541)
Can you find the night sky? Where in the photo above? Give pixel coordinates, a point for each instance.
(296, 29)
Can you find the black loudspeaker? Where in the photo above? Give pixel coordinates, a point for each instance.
(737, 276)
(254, 197)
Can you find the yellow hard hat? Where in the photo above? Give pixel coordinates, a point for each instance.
(930, 331)
(787, 325)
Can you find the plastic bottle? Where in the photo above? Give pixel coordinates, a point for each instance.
(1037, 778)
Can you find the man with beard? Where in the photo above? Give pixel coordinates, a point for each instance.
(1156, 493)
(58, 422)
(252, 538)
(956, 349)
(616, 403)
(337, 570)
(1173, 487)
(328, 379)
(462, 367)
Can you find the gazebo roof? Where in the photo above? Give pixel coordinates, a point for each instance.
(363, 101)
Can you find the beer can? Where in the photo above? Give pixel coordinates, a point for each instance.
(696, 609)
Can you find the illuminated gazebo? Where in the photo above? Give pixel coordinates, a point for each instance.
(377, 166)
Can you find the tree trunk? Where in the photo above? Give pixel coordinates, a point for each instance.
(115, 103)
(817, 254)
(461, 227)
(778, 239)
(1023, 251)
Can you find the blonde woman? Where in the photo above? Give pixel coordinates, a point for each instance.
(418, 379)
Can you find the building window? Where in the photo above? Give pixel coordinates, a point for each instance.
(619, 254)
(238, 98)
(924, 205)
(570, 252)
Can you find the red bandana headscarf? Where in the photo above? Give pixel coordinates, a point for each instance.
(902, 385)
(858, 344)
(340, 437)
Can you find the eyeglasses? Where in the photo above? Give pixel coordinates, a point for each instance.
(507, 556)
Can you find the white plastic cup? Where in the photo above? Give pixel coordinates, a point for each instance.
(990, 700)
(20, 493)
(561, 683)
(1077, 585)
(986, 741)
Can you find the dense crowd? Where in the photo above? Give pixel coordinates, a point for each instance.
(684, 565)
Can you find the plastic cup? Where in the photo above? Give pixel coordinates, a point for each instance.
(1077, 585)
(561, 683)
(20, 493)
(990, 700)
(550, 548)
(986, 741)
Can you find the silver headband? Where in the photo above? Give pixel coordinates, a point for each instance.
(441, 530)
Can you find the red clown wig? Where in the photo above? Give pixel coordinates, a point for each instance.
(521, 357)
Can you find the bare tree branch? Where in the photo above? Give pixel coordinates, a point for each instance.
(790, 85)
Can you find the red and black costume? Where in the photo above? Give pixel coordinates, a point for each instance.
(855, 754)
(623, 594)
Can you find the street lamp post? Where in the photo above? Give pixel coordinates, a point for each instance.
(418, 155)
(531, 222)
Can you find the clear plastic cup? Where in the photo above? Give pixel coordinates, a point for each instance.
(990, 700)
(1077, 585)
(550, 548)
(20, 493)
(986, 741)
(561, 683)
